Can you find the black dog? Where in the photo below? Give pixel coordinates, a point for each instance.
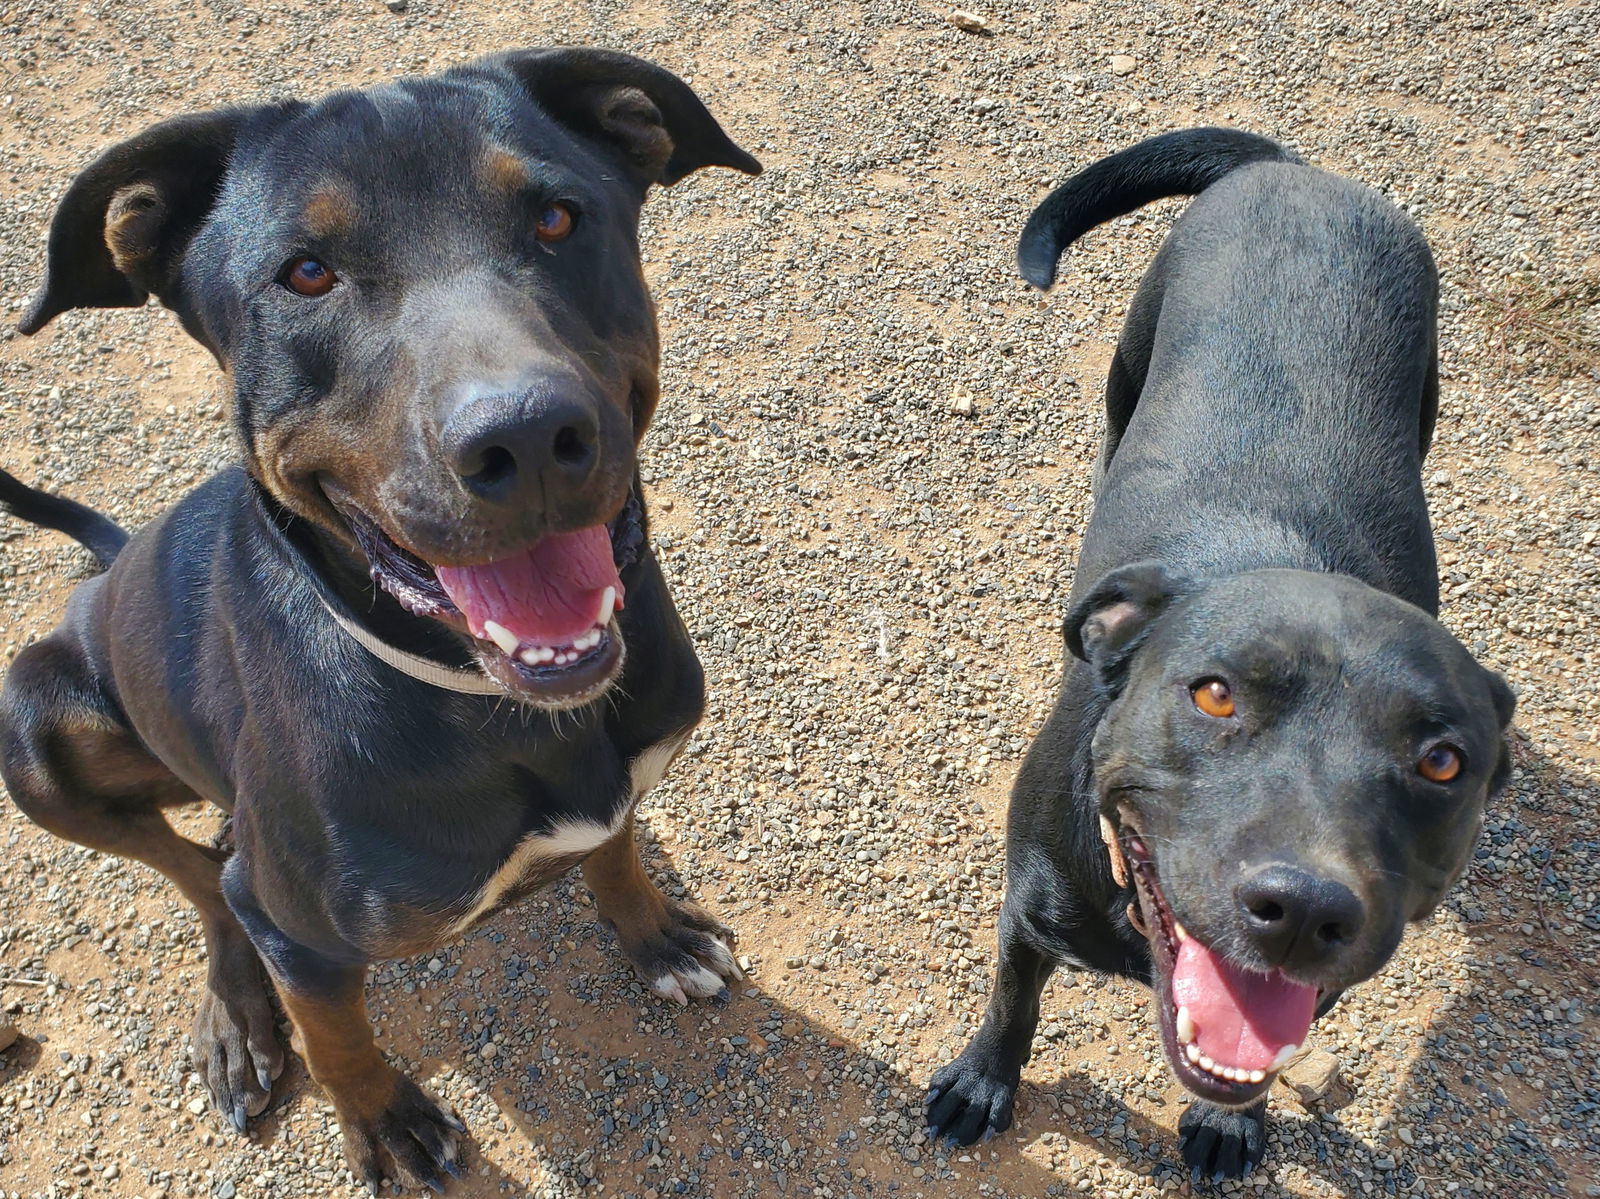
(1270, 756)
(418, 647)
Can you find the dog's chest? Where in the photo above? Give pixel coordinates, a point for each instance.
(544, 856)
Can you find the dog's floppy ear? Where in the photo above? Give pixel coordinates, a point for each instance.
(120, 231)
(653, 117)
(1505, 700)
(1107, 625)
(1505, 706)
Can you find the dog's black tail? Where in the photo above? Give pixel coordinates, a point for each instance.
(102, 535)
(1183, 163)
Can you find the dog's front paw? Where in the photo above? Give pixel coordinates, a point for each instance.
(398, 1131)
(1218, 1143)
(970, 1099)
(236, 1048)
(686, 954)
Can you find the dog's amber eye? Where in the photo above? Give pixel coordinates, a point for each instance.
(1440, 764)
(555, 222)
(1214, 698)
(308, 277)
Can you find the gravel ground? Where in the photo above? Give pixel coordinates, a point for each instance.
(870, 474)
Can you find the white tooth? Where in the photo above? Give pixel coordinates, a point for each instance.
(1282, 1059)
(1207, 1064)
(546, 654)
(1233, 1073)
(1192, 1052)
(1258, 1076)
(1183, 933)
(501, 636)
(607, 603)
(1186, 1028)
(531, 655)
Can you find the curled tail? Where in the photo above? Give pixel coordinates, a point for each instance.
(1183, 163)
(103, 537)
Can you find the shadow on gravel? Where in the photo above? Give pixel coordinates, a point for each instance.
(1504, 1062)
(597, 1082)
(19, 1059)
(1097, 1123)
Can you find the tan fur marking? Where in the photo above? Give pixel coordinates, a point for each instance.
(503, 171)
(623, 892)
(330, 211)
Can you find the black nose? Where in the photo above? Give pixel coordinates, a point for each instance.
(1297, 920)
(517, 449)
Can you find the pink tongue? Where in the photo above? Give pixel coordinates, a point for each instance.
(1243, 1019)
(548, 595)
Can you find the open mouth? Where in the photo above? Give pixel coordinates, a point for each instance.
(543, 620)
(1227, 1030)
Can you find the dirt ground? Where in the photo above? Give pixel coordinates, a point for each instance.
(869, 477)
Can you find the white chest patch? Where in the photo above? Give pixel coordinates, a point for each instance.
(575, 839)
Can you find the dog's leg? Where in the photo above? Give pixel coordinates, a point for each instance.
(1218, 1143)
(77, 772)
(678, 949)
(387, 1120)
(972, 1096)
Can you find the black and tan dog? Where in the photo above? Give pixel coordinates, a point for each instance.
(1270, 756)
(418, 646)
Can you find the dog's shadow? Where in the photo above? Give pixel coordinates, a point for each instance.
(1498, 1052)
(594, 1081)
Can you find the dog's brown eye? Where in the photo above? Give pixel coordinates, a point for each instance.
(308, 277)
(1214, 698)
(1440, 764)
(555, 222)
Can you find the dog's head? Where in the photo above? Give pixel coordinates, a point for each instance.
(429, 298)
(1291, 767)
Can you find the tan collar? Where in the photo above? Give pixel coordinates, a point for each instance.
(425, 670)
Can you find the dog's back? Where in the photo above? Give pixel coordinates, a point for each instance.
(1275, 386)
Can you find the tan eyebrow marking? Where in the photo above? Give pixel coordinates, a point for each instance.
(504, 171)
(329, 211)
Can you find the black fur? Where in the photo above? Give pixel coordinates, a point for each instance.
(1259, 518)
(370, 809)
(103, 537)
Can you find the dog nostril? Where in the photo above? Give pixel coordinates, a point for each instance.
(1267, 912)
(1331, 934)
(570, 447)
(496, 464)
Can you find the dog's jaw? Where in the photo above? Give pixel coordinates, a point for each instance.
(1219, 1082)
(557, 677)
